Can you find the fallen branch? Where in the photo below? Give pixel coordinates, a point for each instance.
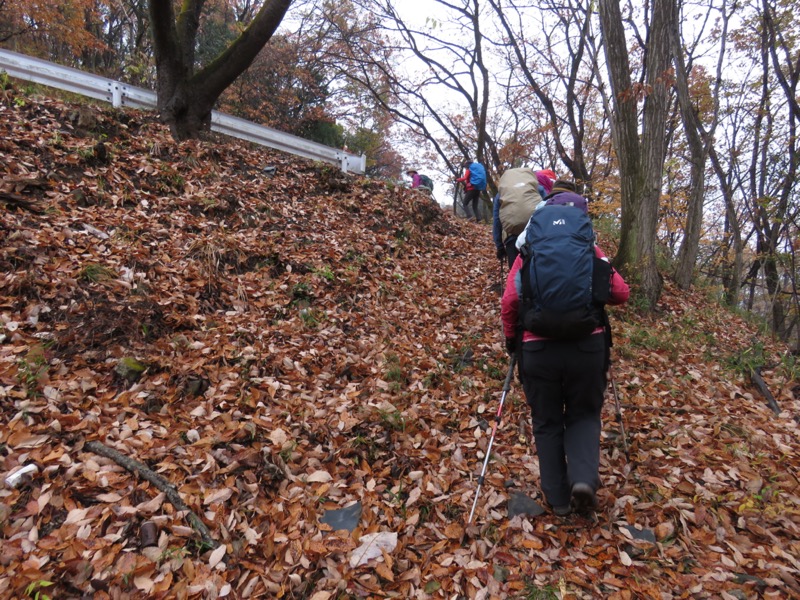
(134, 466)
(673, 409)
(755, 377)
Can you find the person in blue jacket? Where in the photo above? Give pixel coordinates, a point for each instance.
(474, 181)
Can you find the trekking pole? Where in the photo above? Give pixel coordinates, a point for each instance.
(502, 282)
(618, 412)
(502, 278)
(506, 387)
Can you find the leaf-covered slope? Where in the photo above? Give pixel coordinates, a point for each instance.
(278, 343)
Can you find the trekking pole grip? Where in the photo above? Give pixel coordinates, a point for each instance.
(510, 374)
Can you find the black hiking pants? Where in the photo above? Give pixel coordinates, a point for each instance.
(511, 249)
(564, 385)
(472, 197)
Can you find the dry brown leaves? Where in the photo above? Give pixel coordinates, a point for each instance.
(309, 340)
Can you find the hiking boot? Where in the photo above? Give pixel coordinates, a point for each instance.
(562, 511)
(583, 498)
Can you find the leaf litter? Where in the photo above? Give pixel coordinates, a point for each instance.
(309, 341)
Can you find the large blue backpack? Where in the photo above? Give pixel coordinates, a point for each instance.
(477, 176)
(564, 286)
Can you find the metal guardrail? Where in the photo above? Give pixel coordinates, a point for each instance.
(120, 94)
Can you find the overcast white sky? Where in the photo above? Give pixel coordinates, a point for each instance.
(421, 14)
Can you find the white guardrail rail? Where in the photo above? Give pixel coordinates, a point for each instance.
(121, 94)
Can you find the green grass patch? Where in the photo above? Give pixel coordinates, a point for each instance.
(96, 273)
(532, 591)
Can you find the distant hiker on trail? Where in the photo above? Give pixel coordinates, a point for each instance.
(474, 181)
(555, 292)
(420, 181)
(520, 192)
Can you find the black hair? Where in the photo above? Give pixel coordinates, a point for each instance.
(564, 184)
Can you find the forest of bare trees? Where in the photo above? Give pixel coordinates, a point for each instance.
(679, 118)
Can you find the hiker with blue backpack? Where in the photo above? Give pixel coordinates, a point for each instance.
(555, 322)
(474, 181)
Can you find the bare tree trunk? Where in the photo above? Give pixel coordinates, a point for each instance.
(771, 220)
(481, 109)
(731, 269)
(624, 130)
(186, 98)
(752, 278)
(641, 159)
(699, 143)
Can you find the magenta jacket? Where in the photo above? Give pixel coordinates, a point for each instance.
(511, 298)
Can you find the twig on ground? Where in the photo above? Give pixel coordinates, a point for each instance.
(755, 377)
(675, 409)
(134, 466)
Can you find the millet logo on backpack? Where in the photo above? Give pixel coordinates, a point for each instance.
(560, 222)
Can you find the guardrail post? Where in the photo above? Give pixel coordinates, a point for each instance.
(359, 165)
(116, 95)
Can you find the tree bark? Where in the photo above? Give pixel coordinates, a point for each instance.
(698, 151)
(641, 159)
(185, 97)
(624, 129)
(483, 108)
(771, 219)
(731, 269)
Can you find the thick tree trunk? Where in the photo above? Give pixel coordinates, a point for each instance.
(186, 98)
(687, 254)
(641, 159)
(624, 131)
(186, 108)
(654, 140)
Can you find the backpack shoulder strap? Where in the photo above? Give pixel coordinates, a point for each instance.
(526, 300)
